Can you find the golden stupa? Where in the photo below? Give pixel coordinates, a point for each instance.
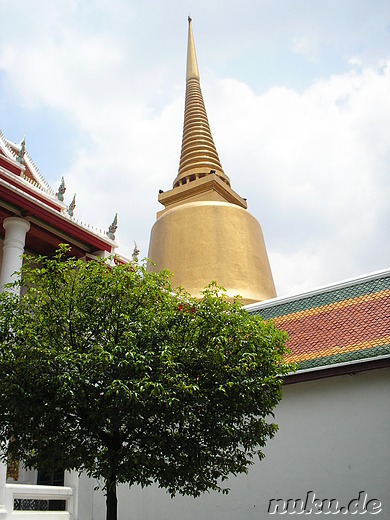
(205, 232)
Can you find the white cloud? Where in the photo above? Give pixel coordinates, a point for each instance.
(314, 164)
(306, 46)
(355, 60)
(315, 169)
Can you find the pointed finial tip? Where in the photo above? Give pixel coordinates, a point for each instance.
(189, 18)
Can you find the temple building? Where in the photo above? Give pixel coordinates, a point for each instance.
(34, 218)
(331, 454)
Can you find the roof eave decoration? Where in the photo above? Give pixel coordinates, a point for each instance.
(72, 206)
(22, 151)
(27, 168)
(61, 190)
(113, 227)
(32, 196)
(40, 212)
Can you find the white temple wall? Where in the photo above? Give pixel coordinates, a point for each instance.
(333, 440)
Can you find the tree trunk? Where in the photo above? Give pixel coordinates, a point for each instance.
(111, 499)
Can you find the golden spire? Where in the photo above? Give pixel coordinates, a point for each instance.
(198, 153)
(204, 232)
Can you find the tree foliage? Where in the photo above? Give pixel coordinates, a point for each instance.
(105, 369)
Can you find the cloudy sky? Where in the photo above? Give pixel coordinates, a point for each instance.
(298, 98)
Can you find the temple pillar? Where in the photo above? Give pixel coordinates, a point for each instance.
(16, 229)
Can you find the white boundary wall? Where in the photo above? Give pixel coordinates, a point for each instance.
(333, 439)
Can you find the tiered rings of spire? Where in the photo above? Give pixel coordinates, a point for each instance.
(198, 156)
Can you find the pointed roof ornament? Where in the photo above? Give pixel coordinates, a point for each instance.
(71, 206)
(135, 252)
(199, 156)
(113, 227)
(22, 151)
(61, 190)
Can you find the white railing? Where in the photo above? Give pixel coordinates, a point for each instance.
(19, 493)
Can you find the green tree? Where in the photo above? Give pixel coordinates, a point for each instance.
(105, 369)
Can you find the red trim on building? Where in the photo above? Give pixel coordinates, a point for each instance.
(6, 163)
(32, 193)
(29, 208)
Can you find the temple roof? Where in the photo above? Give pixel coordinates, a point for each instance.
(342, 324)
(31, 172)
(25, 192)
